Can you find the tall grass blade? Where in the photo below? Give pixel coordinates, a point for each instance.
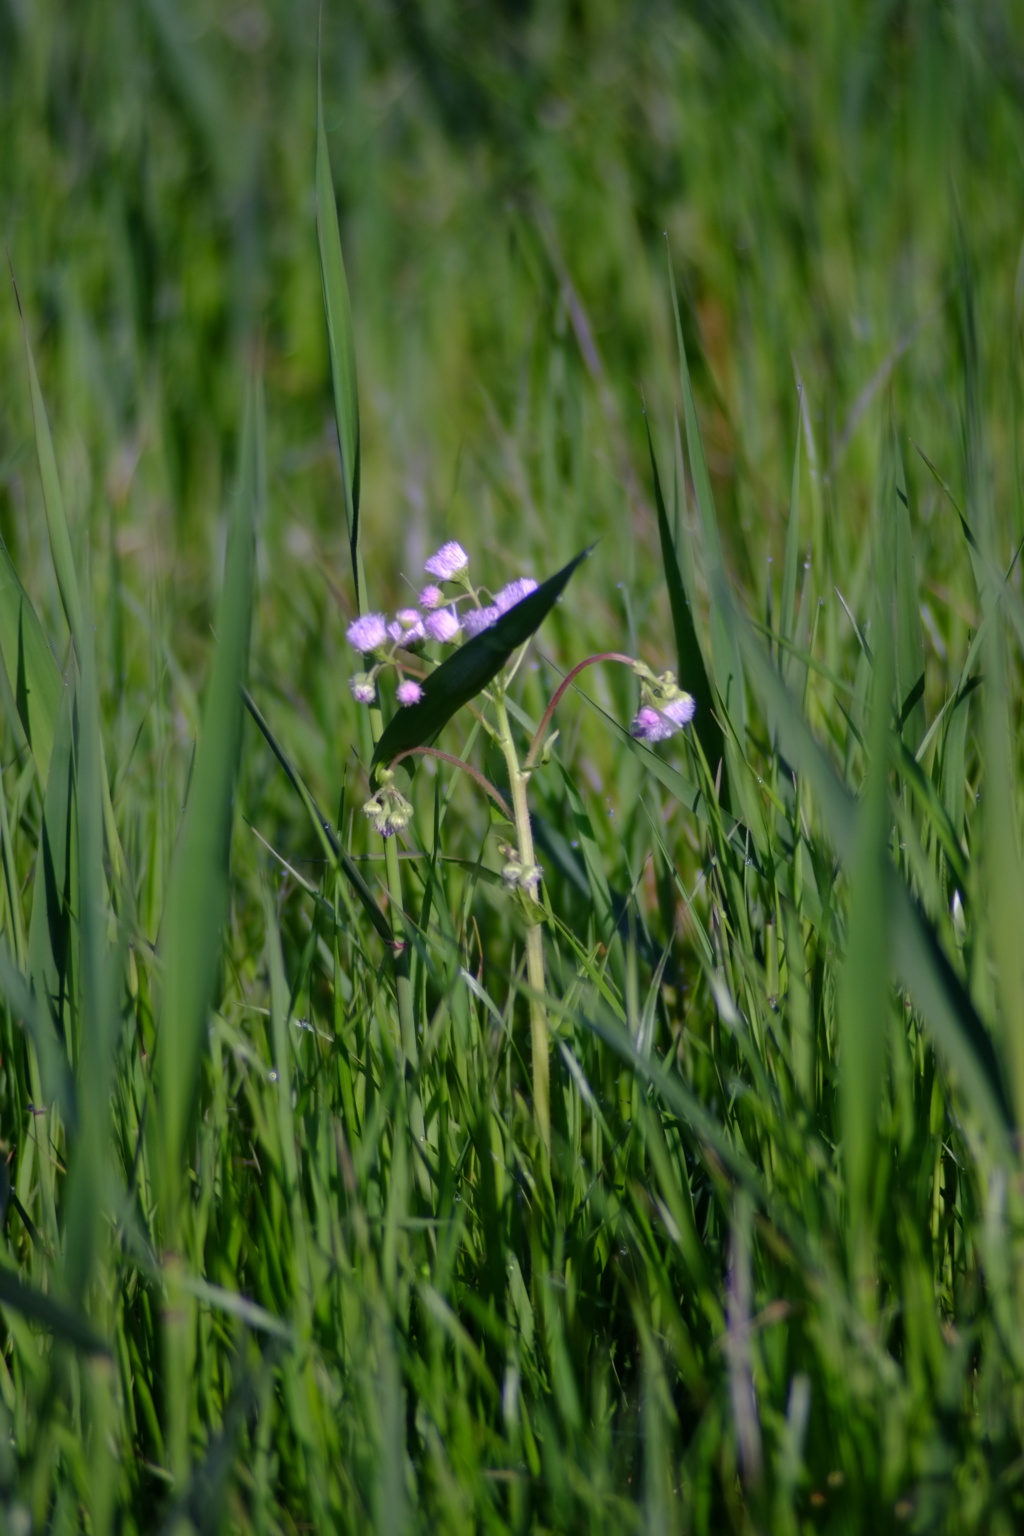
(725, 658)
(197, 897)
(33, 673)
(692, 672)
(340, 342)
(918, 958)
(864, 982)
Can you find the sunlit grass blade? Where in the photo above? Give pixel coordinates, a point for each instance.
(469, 669)
(341, 345)
(198, 892)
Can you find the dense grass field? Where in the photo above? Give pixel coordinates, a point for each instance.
(354, 1183)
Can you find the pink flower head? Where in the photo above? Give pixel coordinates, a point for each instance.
(363, 689)
(682, 710)
(658, 724)
(476, 620)
(408, 691)
(442, 625)
(514, 593)
(368, 633)
(407, 627)
(650, 725)
(450, 559)
(431, 597)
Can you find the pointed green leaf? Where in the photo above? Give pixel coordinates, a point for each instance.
(468, 671)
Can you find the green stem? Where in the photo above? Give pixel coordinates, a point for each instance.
(400, 957)
(518, 781)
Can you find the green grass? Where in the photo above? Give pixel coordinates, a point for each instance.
(288, 1242)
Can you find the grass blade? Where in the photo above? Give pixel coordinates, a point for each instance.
(31, 669)
(692, 672)
(725, 658)
(198, 895)
(341, 346)
(918, 958)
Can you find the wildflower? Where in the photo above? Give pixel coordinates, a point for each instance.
(368, 633)
(476, 620)
(653, 724)
(407, 627)
(450, 559)
(431, 597)
(682, 710)
(442, 625)
(388, 810)
(514, 593)
(650, 725)
(363, 688)
(408, 691)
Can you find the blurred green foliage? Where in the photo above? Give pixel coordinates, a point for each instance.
(331, 1326)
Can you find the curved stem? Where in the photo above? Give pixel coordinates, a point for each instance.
(535, 744)
(457, 762)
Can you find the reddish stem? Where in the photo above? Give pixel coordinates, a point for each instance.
(457, 762)
(538, 739)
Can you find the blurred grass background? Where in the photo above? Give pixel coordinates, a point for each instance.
(841, 189)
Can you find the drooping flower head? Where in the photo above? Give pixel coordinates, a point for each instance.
(408, 691)
(431, 597)
(664, 707)
(442, 625)
(364, 690)
(650, 725)
(514, 593)
(368, 633)
(450, 559)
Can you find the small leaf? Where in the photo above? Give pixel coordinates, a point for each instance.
(470, 669)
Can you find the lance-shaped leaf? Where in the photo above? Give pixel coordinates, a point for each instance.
(470, 669)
